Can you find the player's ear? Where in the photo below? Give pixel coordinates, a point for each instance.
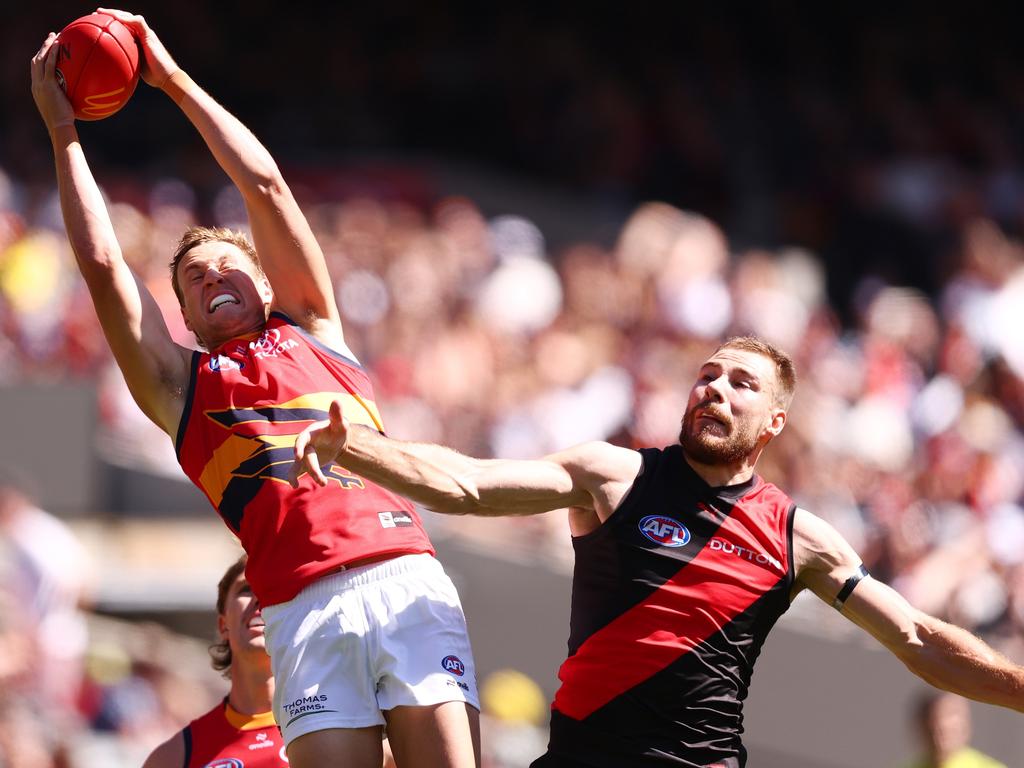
(184, 316)
(776, 421)
(222, 628)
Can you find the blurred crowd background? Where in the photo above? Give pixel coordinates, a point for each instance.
(848, 186)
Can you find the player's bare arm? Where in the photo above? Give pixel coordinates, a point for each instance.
(288, 251)
(941, 654)
(155, 368)
(591, 478)
(170, 754)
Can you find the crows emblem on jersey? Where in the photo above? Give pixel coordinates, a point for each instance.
(260, 448)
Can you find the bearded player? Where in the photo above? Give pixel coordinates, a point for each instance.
(363, 627)
(685, 559)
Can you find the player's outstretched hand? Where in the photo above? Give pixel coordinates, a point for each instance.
(321, 438)
(51, 102)
(158, 65)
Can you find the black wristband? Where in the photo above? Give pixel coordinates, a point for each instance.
(848, 587)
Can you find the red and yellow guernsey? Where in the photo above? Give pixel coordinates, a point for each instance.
(224, 738)
(247, 400)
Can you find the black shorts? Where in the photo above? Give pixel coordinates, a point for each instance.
(548, 760)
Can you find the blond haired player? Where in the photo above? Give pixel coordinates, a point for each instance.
(362, 625)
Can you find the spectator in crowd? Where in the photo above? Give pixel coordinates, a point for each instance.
(46, 578)
(943, 723)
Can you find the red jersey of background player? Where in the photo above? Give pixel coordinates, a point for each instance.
(247, 400)
(224, 737)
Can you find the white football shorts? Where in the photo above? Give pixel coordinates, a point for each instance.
(358, 642)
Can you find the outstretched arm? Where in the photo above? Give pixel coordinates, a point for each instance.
(288, 251)
(155, 368)
(941, 654)
(593, 476)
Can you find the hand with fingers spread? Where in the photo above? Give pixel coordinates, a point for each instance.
(51, 101)
(326, 438)
(158, 65)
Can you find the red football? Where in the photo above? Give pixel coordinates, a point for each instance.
(97, 65)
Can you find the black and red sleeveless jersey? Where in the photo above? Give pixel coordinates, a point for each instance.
(672, 599)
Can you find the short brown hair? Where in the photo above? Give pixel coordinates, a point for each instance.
(197, 236)
(785, 370)
(220, 652)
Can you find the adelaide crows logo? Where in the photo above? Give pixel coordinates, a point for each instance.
(259, 449)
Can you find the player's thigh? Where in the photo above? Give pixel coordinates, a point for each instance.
(338, 748)
(443, 735)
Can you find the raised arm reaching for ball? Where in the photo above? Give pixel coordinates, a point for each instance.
(274, 358)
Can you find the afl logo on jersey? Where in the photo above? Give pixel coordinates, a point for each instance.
(664, 530)
(454, 665)
(227, 762)
(224, 363)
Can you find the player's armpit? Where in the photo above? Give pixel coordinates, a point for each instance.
(155, 368)
(604, 471)
(824, 561)
(294, 262)
(170, 754)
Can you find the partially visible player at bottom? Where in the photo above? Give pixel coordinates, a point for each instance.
(241, 729)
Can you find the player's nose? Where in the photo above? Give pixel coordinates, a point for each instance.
(715, 389)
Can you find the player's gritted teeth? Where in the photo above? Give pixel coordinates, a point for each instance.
(220, 300)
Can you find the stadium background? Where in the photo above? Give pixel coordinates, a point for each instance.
(478, 177)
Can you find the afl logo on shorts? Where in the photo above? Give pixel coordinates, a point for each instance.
(227, 762)
(454, 665)
(664, 530)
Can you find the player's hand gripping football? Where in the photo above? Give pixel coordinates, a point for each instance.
(51, 102)
(158, 65)
(321, 438)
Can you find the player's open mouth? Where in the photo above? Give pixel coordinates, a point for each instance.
(711, 419)
(220, 300)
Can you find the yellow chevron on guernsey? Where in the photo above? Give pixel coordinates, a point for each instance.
(237, 449)
(96, 107)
